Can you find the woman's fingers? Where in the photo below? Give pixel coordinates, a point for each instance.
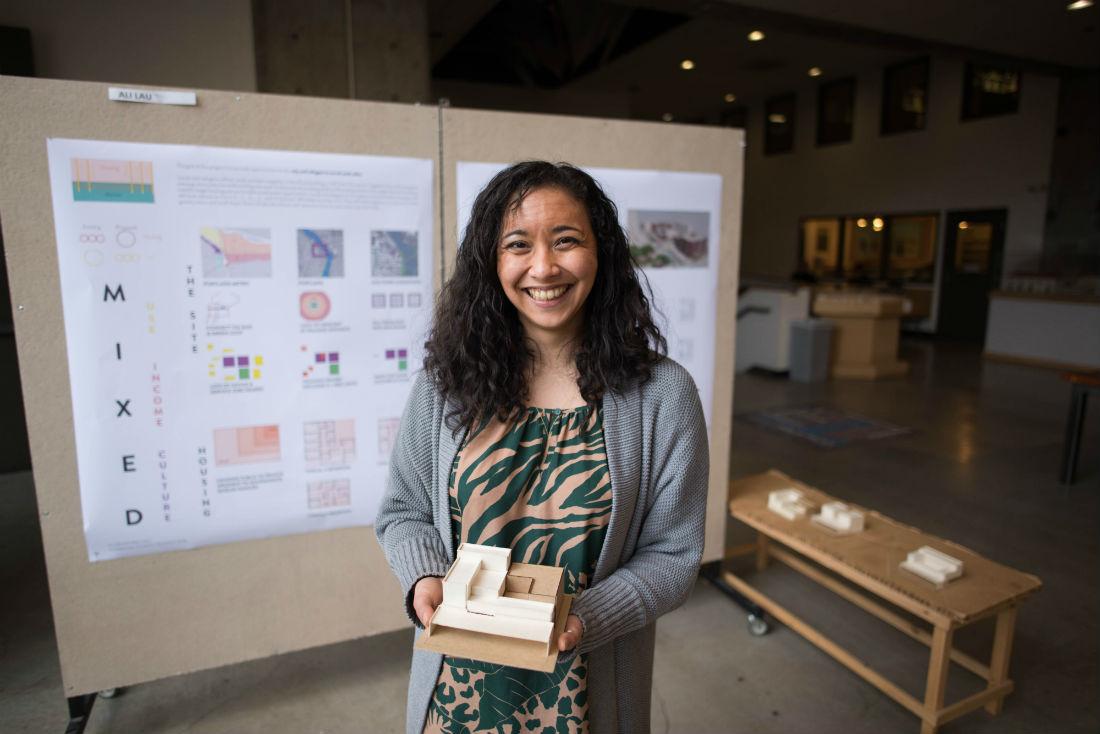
(571, 636)
(427, 595)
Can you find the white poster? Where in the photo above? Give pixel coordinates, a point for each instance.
(672, 221)
(242, 329)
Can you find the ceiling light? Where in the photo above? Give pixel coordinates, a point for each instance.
(814, 71)
(861, 223)
(756, 36)
(1079, 5)
(777, 118)
(964, 225)
(730, 97)
(877, 224)
(667, 117)
(687, 64)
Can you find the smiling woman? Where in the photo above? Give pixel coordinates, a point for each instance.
(548, 421)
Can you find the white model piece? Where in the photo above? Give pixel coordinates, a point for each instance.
(933, 565)
(474, 600)
(789, 503)
(840, 518)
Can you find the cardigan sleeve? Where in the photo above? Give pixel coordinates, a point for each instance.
(405, 523)
(660, 574)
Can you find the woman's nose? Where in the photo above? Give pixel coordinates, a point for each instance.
(544, 262)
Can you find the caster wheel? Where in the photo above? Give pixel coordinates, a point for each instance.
(758, 626)
(110, 693)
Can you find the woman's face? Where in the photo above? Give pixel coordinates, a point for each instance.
(546, 262)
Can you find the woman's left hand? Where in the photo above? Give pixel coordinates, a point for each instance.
(571, 635)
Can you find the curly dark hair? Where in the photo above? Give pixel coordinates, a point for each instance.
(477, 352)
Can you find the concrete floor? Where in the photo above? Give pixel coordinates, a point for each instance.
(979, 468)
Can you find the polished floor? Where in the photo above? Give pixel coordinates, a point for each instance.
(980, 468)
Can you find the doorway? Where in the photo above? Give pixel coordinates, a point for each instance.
(972, 256)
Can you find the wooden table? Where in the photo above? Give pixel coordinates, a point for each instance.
(864, 569)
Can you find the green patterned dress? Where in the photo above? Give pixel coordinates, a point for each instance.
(538, 484)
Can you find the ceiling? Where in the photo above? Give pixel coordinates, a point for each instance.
(634, 47)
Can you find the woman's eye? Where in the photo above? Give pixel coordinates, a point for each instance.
(515, 245)
(566, 242)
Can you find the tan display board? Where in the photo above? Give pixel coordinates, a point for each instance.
(502, 137)
(131, 620)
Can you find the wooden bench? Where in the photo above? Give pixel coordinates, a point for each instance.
(864, 569)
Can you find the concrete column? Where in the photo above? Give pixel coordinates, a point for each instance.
(362, 49)
(390, 50)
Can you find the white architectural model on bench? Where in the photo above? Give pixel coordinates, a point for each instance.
(474, 598)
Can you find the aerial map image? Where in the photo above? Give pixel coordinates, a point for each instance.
(393, 254)
(235, 253)
(320, 253)
(668, 239)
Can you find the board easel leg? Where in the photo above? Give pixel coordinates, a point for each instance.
(80, 708)
(938, 664)
(1002, 651)
(761, 551)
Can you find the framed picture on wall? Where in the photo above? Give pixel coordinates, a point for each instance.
(905, 96)
(835, 110)
(990, 90)
(779, 124)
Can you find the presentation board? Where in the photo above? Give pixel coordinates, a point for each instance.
(140, 618)
(132, 619)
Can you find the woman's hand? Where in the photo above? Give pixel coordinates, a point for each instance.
(571, 635)
(427, 595)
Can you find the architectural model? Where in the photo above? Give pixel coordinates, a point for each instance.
(789, 503)
(933, 565)
(480, 595)
(839, 518)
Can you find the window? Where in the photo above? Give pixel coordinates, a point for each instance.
(821, 246)
(835, 105)
(989, 91)
(911, 241)
(863, 247)
(779, 124)
(905, 97)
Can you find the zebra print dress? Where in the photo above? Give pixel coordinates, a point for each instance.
(540, 485)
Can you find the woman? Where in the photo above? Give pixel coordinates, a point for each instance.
(546, 420)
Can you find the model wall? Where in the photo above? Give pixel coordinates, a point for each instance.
(987, 163)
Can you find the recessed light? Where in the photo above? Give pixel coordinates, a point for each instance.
(687, 64)
(814, 71)
(1079, 5)
(877, 224)
(777, 118)
(756, 36)
(964, 225)
(667, 117)
(730, 97)
(861, 223)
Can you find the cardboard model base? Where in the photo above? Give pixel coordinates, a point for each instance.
(543, 583)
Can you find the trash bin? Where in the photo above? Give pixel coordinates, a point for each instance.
(810, 343)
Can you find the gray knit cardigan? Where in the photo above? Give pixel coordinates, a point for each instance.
(659, 463)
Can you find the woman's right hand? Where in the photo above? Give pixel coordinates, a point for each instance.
(427, 595)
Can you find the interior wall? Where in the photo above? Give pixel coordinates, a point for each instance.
(205, 44)
(987, 163)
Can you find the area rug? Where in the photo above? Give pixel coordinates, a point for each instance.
(823, 426)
